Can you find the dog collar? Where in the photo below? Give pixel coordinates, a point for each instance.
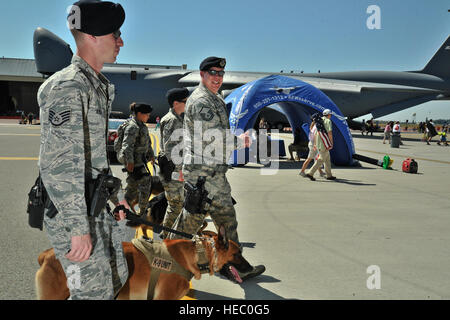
(203, 262)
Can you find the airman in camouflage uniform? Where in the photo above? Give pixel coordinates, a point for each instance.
(137, 151)
(171, 123)
(206, 115)
(74, 107)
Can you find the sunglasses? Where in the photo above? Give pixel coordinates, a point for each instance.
(216, 73)
(116, 34)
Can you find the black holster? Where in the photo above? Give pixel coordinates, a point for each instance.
(137, 173)
(37, 198)
(166, 167)
(99, 191)
(195, 197)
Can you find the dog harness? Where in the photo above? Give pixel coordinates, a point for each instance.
(161, 261)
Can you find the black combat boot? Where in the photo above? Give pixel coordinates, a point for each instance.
(241, 272)
(247, 271)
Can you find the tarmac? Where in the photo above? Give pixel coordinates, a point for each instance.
(371, 234)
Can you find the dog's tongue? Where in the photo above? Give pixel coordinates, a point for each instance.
(235, 274)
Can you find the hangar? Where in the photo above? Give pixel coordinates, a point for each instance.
(19, 84)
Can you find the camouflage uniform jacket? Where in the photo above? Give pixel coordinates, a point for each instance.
(208, 143)
(169, 138)
(65, 159)
(136, 143)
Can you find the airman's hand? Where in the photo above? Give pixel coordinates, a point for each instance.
(119, 216)
(81, 248)
(130, 167)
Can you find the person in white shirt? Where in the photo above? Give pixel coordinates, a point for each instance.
(396, 130)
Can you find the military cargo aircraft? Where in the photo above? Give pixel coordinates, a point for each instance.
(355, 93)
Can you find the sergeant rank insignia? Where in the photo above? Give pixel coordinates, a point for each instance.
(58, 119)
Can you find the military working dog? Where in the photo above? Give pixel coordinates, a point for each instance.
(214, 249)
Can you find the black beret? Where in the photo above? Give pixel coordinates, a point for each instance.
(96, 18)
(210, 62)
(177, 94)
(142, 108)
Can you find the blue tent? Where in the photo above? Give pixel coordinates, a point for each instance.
(297, 100)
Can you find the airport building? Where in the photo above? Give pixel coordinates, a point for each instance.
(20, 82)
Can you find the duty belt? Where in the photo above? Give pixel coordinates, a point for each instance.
(221, 169)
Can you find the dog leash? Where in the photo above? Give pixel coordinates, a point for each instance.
(156, 228)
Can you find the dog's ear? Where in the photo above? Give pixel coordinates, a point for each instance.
(223, 240)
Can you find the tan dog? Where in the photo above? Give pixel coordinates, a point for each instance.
(51, 282)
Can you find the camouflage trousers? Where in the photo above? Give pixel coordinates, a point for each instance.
(105, 272)
(175, 197)
(138, 190)
(221, 209)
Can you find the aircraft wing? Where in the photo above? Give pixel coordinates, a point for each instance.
(167, 74)
(397, 97)
(357, 86)
(401, 105)
(233, 79)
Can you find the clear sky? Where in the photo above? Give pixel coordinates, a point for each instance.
(258, 35)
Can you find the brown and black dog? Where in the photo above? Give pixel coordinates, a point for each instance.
(51, 282)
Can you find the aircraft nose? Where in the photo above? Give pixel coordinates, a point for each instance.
(51, 53)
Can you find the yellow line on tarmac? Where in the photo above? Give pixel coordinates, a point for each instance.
(19, 158)
(155, 143)
(21, 134)
(404, 156)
